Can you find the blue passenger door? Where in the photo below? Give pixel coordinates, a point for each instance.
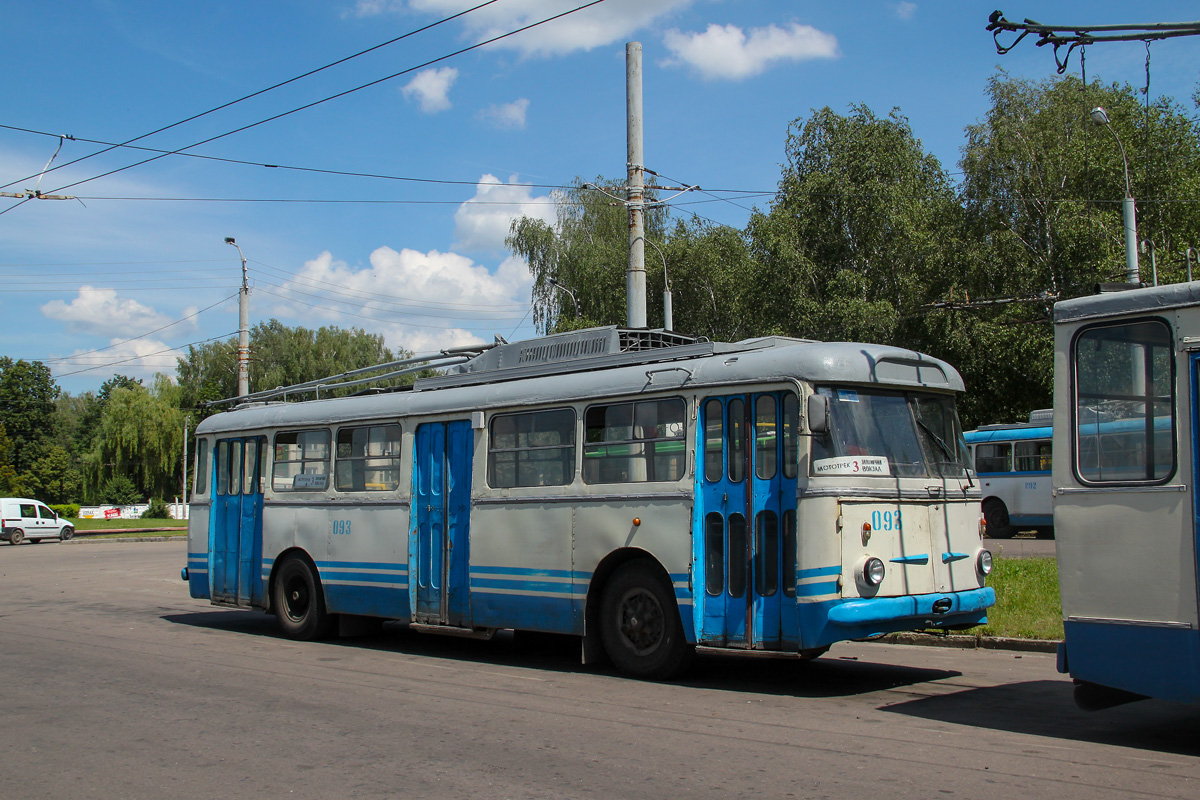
(440, 537)
(236, 522)
(745, 521)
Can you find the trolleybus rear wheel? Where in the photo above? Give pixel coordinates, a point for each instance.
(299, 602)
(640, 625)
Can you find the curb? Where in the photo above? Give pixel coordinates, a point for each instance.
(971, 642)
(94, 540)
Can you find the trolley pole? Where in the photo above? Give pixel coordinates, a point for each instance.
(635, 275)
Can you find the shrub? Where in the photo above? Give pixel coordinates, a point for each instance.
(156, 510)
(66, 510)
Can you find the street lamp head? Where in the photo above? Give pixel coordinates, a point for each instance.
(229, 240)
(1100, 116)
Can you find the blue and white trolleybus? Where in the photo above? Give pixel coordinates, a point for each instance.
(645, 491)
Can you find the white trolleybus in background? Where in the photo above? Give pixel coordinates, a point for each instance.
(645, 491)
(1013, 462)
(1125, 500)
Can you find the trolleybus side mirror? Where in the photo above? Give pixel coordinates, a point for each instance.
(818, 413)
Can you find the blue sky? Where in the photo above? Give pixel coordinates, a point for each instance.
(136, 267)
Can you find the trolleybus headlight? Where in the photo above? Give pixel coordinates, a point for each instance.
(873, 571)
(984, 562)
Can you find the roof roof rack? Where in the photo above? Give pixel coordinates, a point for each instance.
(407, 366)
(573, 351)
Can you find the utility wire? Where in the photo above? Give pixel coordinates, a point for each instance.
(147, 355)
(290, 167)
(128, 142)
(325, 100)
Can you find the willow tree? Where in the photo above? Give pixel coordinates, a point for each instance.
(586, 251)
(140, 437)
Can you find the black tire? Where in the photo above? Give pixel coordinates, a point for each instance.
(995, 517)
(17, 536)
(66, 534)
(640, 624)
(35, 541)
(299, 601)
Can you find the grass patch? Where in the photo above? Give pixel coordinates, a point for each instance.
(1028, 605)
(171, 534)
(83, 524)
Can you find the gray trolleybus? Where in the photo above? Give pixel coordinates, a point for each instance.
(1126, 406)
(645, 491)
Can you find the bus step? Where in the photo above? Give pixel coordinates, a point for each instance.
(450, 630)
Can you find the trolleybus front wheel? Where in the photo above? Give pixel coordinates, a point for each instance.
(299, 602)
(640, 625)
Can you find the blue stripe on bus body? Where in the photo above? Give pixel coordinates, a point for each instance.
(816, 589)
(525, 585)
(818, 572)
(1114, 654)
(376, 601)
(527, 571)
(560, 613)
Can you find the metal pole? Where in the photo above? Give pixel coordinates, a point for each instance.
(183, 487)
(1131, 255)
(243, 327)
(635, 275)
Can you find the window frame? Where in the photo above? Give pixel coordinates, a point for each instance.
(367, 460)
(521, 452)
(1172, 401)
(302, 461)
(649, 444)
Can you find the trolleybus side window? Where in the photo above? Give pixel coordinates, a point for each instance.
(367, 459)
(714, 440)
(1124, 398)
(532, 449)
(1032, 456)
(634, 442)
(766, 437)
(301, 461)
(791, 434)
(223, 467)
(993, 457)
(200, 478)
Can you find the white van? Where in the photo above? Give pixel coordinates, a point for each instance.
(22, 519)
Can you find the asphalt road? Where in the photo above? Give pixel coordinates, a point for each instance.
(115, 684)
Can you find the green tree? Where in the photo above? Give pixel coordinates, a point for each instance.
(279, 356)
(1041, 192)
(586, 251)
(140, 437)
(58, 478)
(863, 232)
(27, 394)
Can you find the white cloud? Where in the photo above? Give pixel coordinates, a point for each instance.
(482, 223)
(906, 10)
(431, 88)
(418, 301)
(612, 21)
(507, 116)
(102, 312)
(725, 51)
(373, 8)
